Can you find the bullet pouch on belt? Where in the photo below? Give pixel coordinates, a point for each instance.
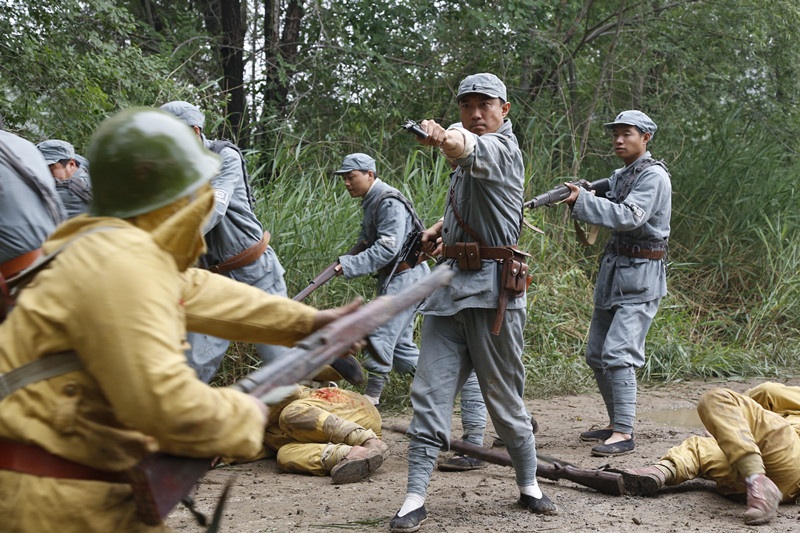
(514, 276)
(468, 255)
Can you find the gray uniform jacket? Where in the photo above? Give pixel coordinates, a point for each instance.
(488, 186)
(384, 231)
(26, 218)
(233, 227)
(644, 215)
(75, 192)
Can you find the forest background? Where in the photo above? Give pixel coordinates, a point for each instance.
(300, 83)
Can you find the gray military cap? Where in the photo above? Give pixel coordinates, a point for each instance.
(483, 83)
(55, 150)
(632, 117)
(356, 161)
(188, 113)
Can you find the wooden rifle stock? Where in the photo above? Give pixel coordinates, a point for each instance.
(327, 274)
(548, 468)
(162, 480)
(561, 192)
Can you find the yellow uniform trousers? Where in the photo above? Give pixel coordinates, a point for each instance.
(317, 427)
(753, 433)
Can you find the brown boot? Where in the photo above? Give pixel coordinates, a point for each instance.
(358, 464)
(643, 481)
(763, 497)
(378, 445)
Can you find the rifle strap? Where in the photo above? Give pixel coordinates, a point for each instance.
(46, 367)
(586, 239)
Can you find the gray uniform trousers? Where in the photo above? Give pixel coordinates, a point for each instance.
(207, 351)
(461, 343)
(614, 351)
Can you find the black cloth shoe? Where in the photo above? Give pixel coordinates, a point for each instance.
(409, 522)
(618, 448)
(541, 505)
(460, 463)
(596, 434)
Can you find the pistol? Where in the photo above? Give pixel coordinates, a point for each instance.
(414, 128)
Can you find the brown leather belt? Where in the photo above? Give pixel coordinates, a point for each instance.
(402, 267)
(19, 263)
(640, 252)
(243, 258)
(486, 252)
(30, 459)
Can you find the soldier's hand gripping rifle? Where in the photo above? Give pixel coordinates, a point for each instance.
(553, 469)
(161, 480)
(328, 273)
(410, 254)
(561, 192)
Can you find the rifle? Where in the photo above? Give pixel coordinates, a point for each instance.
(410, 254)
(561, 192)
(161, 480)
(548, 468)
(328, 273)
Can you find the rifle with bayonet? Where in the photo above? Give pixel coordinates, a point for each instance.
(561, 192)
(548, 468)
(328, 273)
(161, 480)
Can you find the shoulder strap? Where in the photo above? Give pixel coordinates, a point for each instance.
(403, 200)
(461, 222)
(632, 174)
(48, 366)
(217, 146)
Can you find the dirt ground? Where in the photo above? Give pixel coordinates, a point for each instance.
(264, 499)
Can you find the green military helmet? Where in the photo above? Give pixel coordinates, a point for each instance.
(143, 159)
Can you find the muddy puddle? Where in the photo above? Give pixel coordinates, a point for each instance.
(685, 417)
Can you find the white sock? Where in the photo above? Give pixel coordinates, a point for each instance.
(372, 399)
(532, 490)
(412, 503)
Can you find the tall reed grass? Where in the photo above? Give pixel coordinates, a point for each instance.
(734, 305)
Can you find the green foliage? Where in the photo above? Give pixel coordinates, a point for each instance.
(719, 77)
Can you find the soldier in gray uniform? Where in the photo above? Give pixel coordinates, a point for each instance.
(238, 246)
(388, 219)
(29, 206)
(71, 177)
(632, 278)
(474, 323)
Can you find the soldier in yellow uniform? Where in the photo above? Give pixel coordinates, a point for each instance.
(327, 431)
(112, 309)
(754, 450)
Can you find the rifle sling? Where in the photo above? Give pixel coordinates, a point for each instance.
(47, 367)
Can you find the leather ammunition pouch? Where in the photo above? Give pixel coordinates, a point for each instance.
(514, 277)
(466, 254)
